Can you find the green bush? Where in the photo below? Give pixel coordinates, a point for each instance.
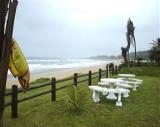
(155, 51)
(141, 71)
(137, 64)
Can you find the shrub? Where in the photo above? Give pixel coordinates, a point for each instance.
(76, 99)
(111, 65)
(155, 52)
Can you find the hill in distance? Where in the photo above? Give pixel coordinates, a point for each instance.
(140, 54)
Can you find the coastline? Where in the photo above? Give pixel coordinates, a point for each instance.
(59, 74)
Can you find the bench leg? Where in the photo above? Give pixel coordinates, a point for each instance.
(95, 96)
(135, 87)
(111, 96)
(104, 93)
(126, 94)
(119, 102)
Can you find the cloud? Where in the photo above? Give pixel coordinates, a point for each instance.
(80, 28)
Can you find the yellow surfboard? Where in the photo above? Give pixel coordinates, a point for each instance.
(18, 65)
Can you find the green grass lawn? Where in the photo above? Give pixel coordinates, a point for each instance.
(140, 109)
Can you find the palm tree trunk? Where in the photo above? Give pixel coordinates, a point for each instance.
(5, 54)
(128, 59)
(135, 53)
(3, 12)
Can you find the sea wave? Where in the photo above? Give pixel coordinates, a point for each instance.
(38, 65)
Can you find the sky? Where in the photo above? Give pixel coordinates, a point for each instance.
(84, 28)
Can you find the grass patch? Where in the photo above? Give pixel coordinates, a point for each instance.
(141, 109)
(40, 80)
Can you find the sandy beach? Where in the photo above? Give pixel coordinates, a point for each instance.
(59, 74)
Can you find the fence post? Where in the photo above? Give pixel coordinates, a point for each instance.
(113, 70)
(107, 71)
(14, 106)
(53, 89)
(90, 78)
(116, 70)
(100, 74)
(75, 79)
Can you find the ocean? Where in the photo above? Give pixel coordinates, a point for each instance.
(37, 65)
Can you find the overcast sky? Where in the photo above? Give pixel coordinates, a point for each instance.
(84, 28)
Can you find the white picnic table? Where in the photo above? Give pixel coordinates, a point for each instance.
(111, 82)
(130, 79)
(119, 86)
(127, 75)
(110, 92)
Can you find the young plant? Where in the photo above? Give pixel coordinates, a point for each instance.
(76, 99)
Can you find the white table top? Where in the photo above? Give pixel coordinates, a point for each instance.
(111, 80)
(137, 80)
(103, 83)
(127, 75)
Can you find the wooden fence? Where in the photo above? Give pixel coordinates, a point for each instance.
(53, 83)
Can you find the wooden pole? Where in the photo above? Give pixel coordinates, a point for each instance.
(75, 79)
(107, 74)
(100, 74)
(116, 69)
(5, 54)
(113, 70)
(89, 78)
(108, 70)
(53, 88)
(14, 106)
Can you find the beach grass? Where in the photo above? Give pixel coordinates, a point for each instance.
(140, 109)
(40, 80)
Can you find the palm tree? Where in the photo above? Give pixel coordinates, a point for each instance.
(155, 51)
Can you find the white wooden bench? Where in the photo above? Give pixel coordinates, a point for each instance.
(135, 84)
(136, 80)
(131, 81)
(123, 85)
(96, 91)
